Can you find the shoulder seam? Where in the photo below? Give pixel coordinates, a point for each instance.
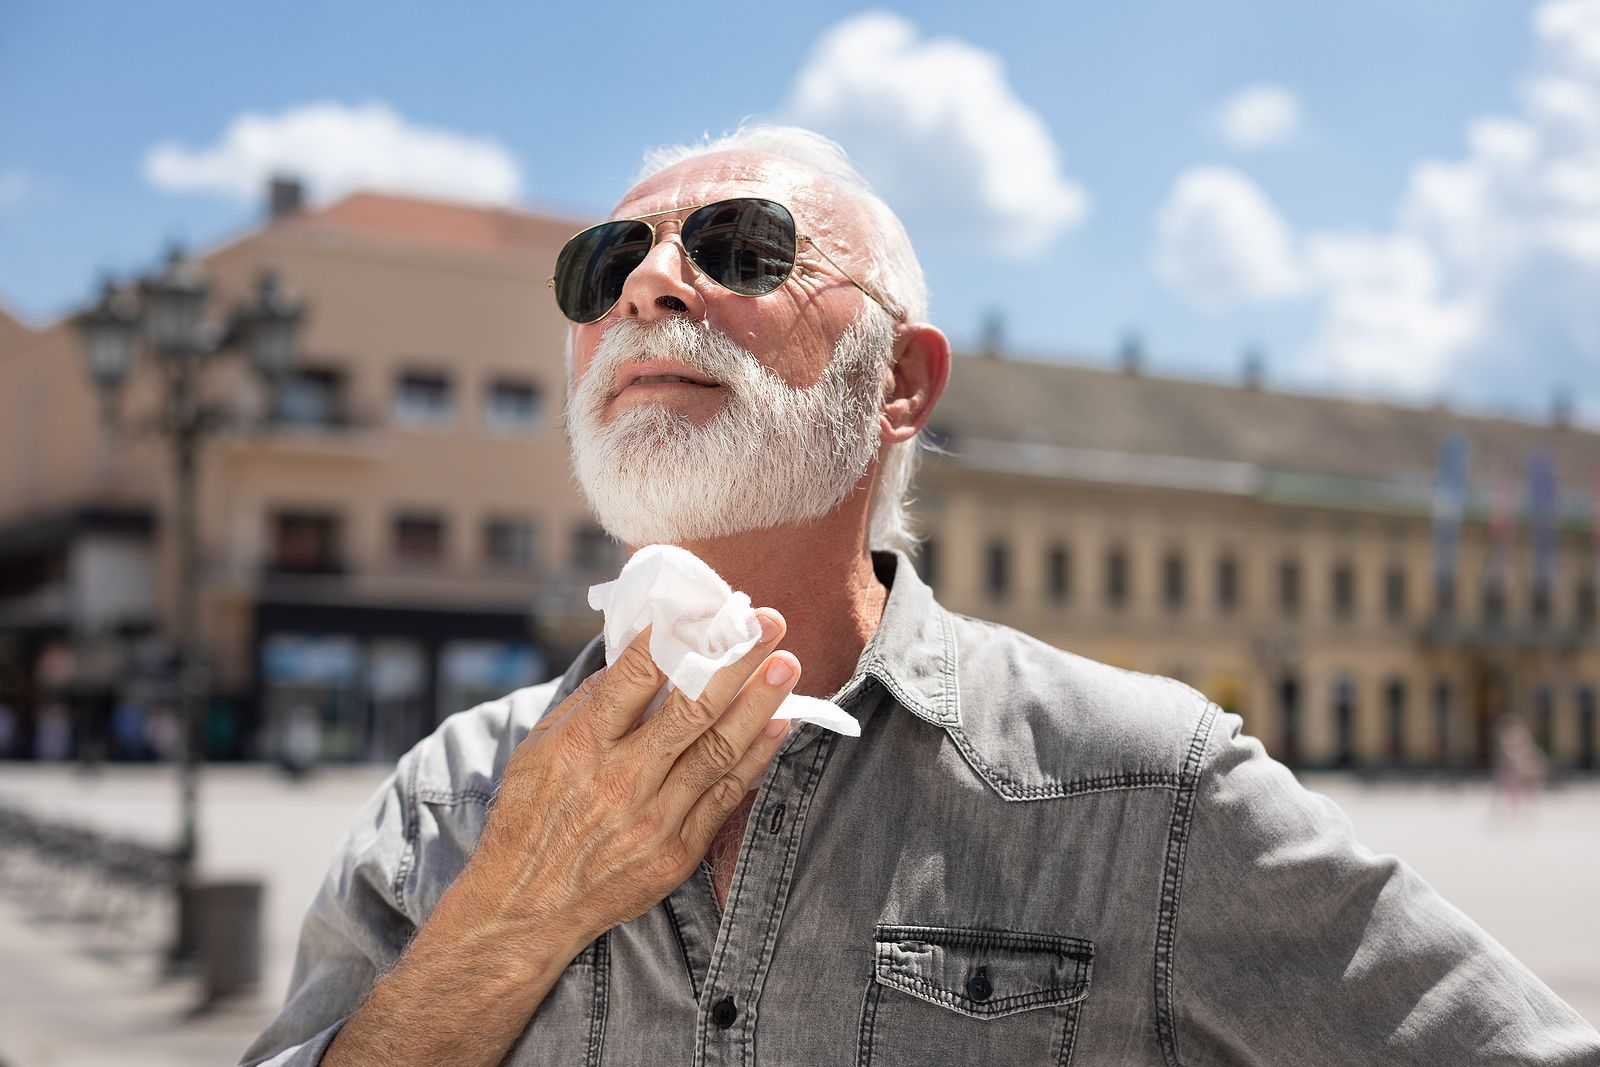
(1183, 802)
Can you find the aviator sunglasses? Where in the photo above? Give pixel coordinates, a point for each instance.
(746, 245)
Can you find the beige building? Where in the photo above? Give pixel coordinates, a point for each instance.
(403, 536)
(401, 539)
(1276, 551)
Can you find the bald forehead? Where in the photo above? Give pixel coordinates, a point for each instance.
(814, 198)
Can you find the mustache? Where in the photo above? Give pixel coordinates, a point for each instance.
(700, 347)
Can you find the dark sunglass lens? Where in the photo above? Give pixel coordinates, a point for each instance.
(591, 269)
(745, 245)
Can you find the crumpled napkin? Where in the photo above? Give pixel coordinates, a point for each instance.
(700, 625)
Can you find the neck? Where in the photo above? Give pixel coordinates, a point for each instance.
(820, 577)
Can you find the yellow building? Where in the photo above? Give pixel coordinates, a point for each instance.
(1276, 551)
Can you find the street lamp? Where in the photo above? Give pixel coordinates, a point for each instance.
(168, 315)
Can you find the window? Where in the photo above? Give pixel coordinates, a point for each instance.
(305, 542)
(1395, 701)
(997, 566)
(418, 537)
(1117, 579)
(1540, 602)
(1289, 587)
(1494, 602)
(1058, 574)
(1344, 723)
(1289, 709)
(508, 544)
(1544, 714)
(1394, 594)
(422, 398)
(512, 404)
(308, 396)
(1344, 591)
(594, 552)
(1586, 727)
(1227, 584)
(1444, 596)
(1173, 589)
(1443, 725)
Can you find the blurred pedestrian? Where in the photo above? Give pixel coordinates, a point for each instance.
(302, 741)
(129, 740)
(1520, 767)
(52, 735)
(10, 731)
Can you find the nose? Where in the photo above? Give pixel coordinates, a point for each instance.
(663, 285)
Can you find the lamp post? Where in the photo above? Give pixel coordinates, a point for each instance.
(168, 316)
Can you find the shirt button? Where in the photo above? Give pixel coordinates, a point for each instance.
(978, 987)
(723, 1013)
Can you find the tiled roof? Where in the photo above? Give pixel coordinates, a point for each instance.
(441, 224)
(1096, 409)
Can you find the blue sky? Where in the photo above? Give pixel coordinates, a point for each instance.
(1403, 200)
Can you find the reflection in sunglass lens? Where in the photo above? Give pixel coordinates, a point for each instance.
(746, 245)
(593, 266)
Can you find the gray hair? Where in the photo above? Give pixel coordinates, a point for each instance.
(894, 274)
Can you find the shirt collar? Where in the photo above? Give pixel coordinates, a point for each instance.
(912, 654)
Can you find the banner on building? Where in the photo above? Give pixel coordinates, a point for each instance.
(1449, 506)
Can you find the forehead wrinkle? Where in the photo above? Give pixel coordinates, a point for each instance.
(706, 179)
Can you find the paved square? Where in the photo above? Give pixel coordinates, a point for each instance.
(68, 996)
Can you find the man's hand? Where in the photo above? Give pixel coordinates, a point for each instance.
(598, 817)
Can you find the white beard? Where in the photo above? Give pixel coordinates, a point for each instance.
(775, 455)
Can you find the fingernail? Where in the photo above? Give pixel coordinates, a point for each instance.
(779, 672)
(769, 628)
(775, 727)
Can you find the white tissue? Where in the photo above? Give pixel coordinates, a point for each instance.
(699, 625)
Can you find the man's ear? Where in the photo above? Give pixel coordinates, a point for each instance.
(916, 380)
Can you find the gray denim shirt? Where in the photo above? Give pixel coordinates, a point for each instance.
(1026, 857)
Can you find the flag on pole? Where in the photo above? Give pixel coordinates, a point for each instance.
(1449, 507)
(1543, 500)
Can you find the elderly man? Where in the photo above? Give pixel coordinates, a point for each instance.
(1025, 857)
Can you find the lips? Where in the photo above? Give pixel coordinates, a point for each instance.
(659, 373)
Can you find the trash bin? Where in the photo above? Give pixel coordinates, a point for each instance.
(229, 916)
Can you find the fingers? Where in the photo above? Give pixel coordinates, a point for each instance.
(680, 721)
(618, 696)
(730, 755)
(725, 744)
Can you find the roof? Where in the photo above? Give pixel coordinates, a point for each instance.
(1061, 415)
(439, 223)
(10, 326)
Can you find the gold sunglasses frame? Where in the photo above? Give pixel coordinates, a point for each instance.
(794, 259)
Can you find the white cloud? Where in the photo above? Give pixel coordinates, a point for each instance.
(1220, 243)
(1487, 279)
(336, 149)
(14, 187)
(1258, 116)
(934, 125)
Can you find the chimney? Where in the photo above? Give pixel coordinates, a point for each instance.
(1561, 408)
(993, 340)
(285, 197)
(1130, 355)
(1254, 368)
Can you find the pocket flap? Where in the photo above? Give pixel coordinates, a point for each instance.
(983, 973)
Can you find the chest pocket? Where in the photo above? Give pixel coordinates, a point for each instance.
(959, 995)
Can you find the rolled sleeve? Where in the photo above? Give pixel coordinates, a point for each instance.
(354, 931)
(1294, 944)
